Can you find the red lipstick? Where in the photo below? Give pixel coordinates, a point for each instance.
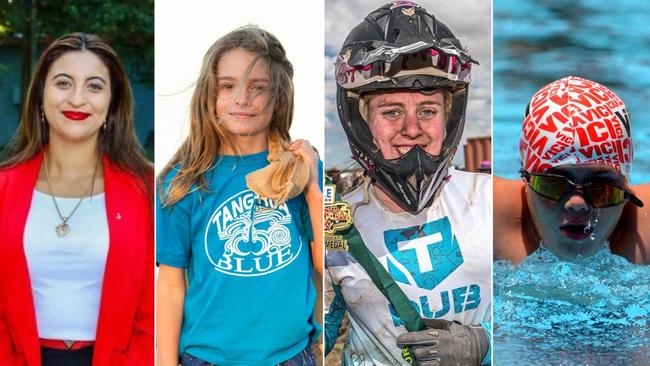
(76, 116)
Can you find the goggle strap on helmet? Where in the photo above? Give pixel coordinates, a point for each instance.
(423, 54)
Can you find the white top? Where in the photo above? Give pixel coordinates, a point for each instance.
(441, 259)
(67, 272)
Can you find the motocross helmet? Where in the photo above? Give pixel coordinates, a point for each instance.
(401, 46)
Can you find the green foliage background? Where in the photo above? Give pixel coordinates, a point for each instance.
(127, 25)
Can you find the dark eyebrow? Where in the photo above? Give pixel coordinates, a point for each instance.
(62, 74)
(88, 79)
(97, 78)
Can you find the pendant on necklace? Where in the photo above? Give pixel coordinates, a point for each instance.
(62, 229)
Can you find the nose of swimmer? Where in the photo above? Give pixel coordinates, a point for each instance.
(576, 203)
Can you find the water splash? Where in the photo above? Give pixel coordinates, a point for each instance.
(591, 225)
(595, 310)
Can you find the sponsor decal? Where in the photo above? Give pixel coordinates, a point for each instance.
(365, 161)
(337, 217)
(423, 255)
(456, 300)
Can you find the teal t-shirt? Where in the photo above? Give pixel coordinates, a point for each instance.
(250, 299)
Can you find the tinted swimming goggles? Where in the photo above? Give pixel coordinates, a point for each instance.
(599, 194)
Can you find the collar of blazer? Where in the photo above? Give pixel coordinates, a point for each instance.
(128, 212)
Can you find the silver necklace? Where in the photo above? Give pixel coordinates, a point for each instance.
(63, 228)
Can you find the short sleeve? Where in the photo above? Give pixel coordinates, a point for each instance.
(173, 232)
(320, 174)
(304, 211)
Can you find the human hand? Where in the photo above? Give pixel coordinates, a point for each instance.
(444, 343)
(303, 149)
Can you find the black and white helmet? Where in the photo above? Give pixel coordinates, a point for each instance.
(401, 46)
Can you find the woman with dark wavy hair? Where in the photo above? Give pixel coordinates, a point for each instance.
(76, 222)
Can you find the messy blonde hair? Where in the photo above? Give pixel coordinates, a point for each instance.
(207, 136)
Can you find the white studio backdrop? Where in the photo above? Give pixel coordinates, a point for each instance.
(184, 32)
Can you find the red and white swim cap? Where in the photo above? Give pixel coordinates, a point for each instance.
(575, 121)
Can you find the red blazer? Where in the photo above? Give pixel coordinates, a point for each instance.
(126, 320)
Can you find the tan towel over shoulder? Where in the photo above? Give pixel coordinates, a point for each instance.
(284, 178)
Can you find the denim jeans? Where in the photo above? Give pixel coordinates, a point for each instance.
(304, 358)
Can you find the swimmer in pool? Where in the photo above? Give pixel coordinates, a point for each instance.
(576, 150)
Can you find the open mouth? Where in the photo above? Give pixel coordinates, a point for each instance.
(576, 231)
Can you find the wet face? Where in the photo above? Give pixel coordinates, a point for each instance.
(400, 121)
(572, 226)
(76, 97)
(243, 101)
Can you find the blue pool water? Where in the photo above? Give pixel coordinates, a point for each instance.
(551, 312)
(548, 312)
(536, 42)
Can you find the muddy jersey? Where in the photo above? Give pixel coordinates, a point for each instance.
(441, 258)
